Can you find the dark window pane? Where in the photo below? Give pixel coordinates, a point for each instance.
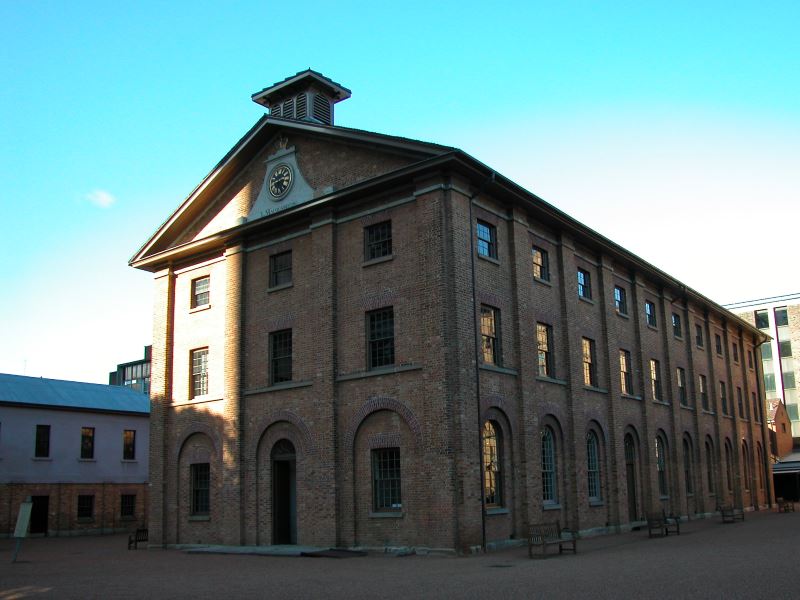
(762, 319)
(378, 240)
(487, 239)
(42, 449)
(781, 317)
(129, 444)
(280, 269)
(85, 506)
(200, 474)
(87, 442)
(380, 338)
(280, 344)
(386, 479)
(200, 291)
(127, 505)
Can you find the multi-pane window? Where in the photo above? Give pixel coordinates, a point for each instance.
(718, 344)
(541, 263)
(788, 380)
(756, 413)
(589, 362)
(380, 337)
(386, 479)
(655, 378)
(762, 319)
(735, 349)
(625, 374)
(661, 467)
(280, 356)
(740, 403)
(766, 351)
(769, 382)
(492, 471)
(723, 396)
(703, 388)
(650, 313)
(85, 506)
(677, 330)
(584, 284)
(199, 372)
(87, 442)
(487, 239)
(680, 375)
(750, 359)
(711, 471)
(746, 465)
(781, 317)
(127, 505)
(544, 346)
(620, 300)
(687, 467)
(785, 348)
(549, 491)
(201, 291)
(42, 446)
(728, 466)
(280, 269)
(490, 335)
(200, 474)
(378, 240)
(593, 466)
(698, 335)
(129, 444)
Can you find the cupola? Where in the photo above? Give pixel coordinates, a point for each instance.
(307, 96)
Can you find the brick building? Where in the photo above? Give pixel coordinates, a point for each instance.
(366, 340)
(78, 449)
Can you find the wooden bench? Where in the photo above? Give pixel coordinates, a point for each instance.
(550, 534)
(661, 524)
(141, 535)
(730, 514)
(784, 505)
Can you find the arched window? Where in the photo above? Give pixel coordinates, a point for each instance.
(760, 458)
(492, 465)
(711, 467)
(746, 465)
(593, 466)
(549, 491)
(631, 476)
(687, 466)
(661, 466)
(728, 466)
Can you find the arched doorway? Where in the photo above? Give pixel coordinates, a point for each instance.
(284, 491)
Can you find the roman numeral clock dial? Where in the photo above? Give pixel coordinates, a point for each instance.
(280, 180)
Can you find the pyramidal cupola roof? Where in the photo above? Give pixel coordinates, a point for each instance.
(308, 96)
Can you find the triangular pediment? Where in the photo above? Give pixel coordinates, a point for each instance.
(279, 165)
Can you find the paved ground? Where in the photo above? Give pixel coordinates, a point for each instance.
(759, 558)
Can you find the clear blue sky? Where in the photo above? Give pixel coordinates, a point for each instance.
(672, 128)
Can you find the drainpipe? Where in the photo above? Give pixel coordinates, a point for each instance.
(476, 333)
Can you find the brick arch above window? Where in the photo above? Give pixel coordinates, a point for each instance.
(200, 429)
(378, 403)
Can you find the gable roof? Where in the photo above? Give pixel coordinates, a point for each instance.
(19, 390)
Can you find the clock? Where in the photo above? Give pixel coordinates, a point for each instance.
(280, 180)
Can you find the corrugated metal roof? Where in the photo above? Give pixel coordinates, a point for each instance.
(71, 394)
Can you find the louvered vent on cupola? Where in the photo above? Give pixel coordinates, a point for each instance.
(307, 96)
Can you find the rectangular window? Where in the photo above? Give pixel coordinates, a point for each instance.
(127, 505)
(85, 506)
(769, 382)
(680, 375)
(200, 291)
(788, 380)
(650, 313)
(378, 240)
(280, 269)
(620, 300)
(199, 372)
(129, 444)
(735, 349)
(541, 264)
(655, 379)
(200, 474)
(762, 319)
(781, 317)
(589, 362)
(718, 343)
(785, 348)
(487, 239)
(87, 442)
(380, 338)
(584, 284)
(740, 402)
(544, 343)
(723, 396)
(756, 413)
(625, 374)
(698, 335)
(280, 356)
(677, 330)
(42, 448)
(490, 335)
(703, 388)
(766, 351)
(386, 480)
(749, 359)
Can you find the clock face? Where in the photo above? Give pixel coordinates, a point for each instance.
(280, 180)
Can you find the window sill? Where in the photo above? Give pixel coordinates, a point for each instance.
(378, 372)
(585, 299)
(699, 346)
(496, 369)
(623, 315)
(377, 261)
(496, 510)
(490, 259)
(653, 327)
(597, 390)
(551, 506)
(678, 337)
(199, 518)
(663, 497)
(277, 288)
(198, 400)
(286, 385)
(596, 503)
(42, 458)
(542, 281)
(129, 460)
(84, 520)
(200, 308)
(546, 379)
(661, 402)
(387, 515)
(128, 518)
(631, 397)
(707, 412)
(87, 460)
(688, 407)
